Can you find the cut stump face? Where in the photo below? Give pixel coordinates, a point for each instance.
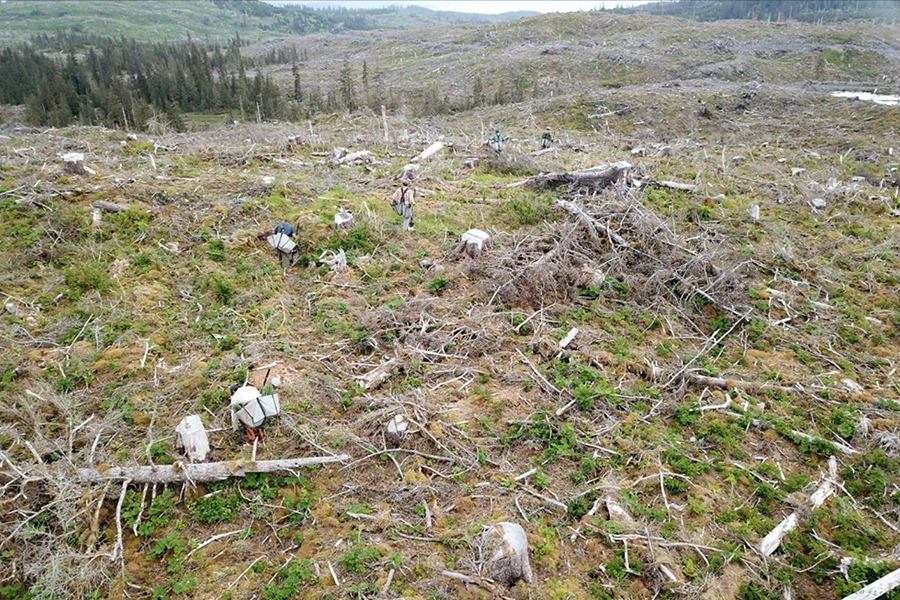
(506, 549)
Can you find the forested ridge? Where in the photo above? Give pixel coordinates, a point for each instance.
(146, 20)
(122, 83)
(68, 78)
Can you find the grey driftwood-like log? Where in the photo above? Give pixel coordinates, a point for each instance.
(379, 374)
(736, 384)
(543, 151)
(202, 472)
(363, 156)
(428, 152)
(674, 185)
(594, 178)
(592, 225)
(878, 588)
(109, 206)
(773, 539)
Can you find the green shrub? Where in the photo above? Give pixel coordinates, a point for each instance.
(87, 276)
(216, 250)
(156, 515)
(359, 557)
(438, 284)
(221, 287)
(215, 508)
(528, 211)
(290, 578)
(129, 222)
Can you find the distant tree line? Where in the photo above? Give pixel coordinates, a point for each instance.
(122, 83)
(80, 78)
(299, 19)
(824, 11)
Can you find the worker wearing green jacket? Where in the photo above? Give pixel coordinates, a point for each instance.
(496, 141)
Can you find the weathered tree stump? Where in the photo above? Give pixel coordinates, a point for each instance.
(409, 173)
(295, 142)
(73, 164)
(337, 261)
(473, 243)
(344, 219)
(506, 550)
(190, 436)
(338, 153)
(471, 163)
(396, 431)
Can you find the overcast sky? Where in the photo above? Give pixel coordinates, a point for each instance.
(474, 6)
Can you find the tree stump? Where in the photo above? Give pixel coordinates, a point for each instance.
(471, 163)
(73, 163)
(396, 431)
(190, 436)
(344, 219)
(506, 550)
(473, 243)
(294, 142)
(409, 173)
(337, 261)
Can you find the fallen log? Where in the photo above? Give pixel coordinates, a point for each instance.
(877, 589)
(379, 374)
(109, 206)
(592, 225)
(482, 583)
(773, 539)
(593, 178)
(362, 156)
(674, 185)
(737, 384)
(181, 472)
(428, 152)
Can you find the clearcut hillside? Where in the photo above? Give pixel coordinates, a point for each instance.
(733, 283)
